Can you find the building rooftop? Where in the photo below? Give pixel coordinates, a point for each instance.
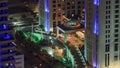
(70, 26)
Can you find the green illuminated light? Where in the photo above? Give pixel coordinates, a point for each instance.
(72, 22)
(35, 37)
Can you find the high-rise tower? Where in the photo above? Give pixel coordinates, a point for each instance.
(103, 33)
(44, 12)
(6, 38)
(52, 11)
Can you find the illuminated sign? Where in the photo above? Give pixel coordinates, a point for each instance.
(47, 15)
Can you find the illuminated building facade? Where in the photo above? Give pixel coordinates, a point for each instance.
(102, 47)
(51, 11)
(6, 46)
(44, 12)
(66, 8)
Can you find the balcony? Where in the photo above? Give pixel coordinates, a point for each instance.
(7, 59)
(7, 46)
(6, 38)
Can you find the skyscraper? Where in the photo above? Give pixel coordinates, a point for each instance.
(44, 14)
(6, 38)
(102, 47)
(52, 11)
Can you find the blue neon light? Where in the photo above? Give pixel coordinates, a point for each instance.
(96, 2)
(95, 65)
(85, 19)
(5, 36)
(96, 27)
(4, 27)
(47, 15)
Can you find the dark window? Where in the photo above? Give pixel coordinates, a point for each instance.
(107, 2)
(116, 47)
(3, 18)
(116, 30)
(3, 5)
(59, 5)
(83, 2)
(59, 22)
(68, 7)
(108, 40)
(73, 7)
(54, 9)
(107, 48)
(105, 60)
(54, 1)
(109, 12)
(79, 6)
(107, 7)
(116, 6)
(116, 1)
(105, 36)
(116, 16)
(116, 26)
(68, 3)
(107, 22)
(108, 17)
(116, 35)
(116, 11)
(116, 40)
(54, 5)
(108, 26)
(78, 11)
(79, 2)
(54, 24)
(3, 11)
(108, 31)
(108, 59)
(116, 21)
(54, 16)
(108, 35)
